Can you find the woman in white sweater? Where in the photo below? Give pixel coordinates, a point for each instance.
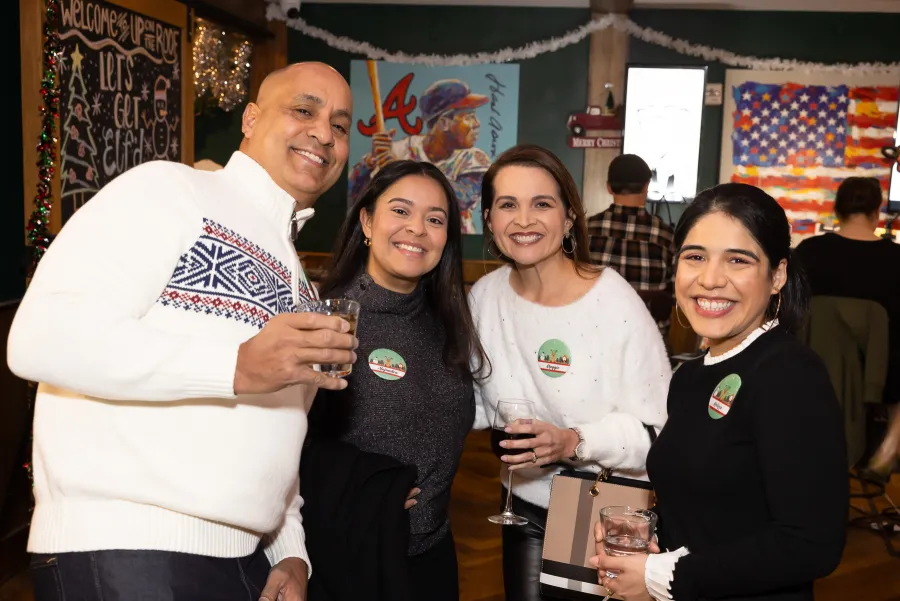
(573, 338)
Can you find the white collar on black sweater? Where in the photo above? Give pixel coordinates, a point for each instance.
(710, 360)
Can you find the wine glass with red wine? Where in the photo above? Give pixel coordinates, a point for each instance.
(508, 412)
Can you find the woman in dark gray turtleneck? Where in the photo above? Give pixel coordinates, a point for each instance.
(410, 394)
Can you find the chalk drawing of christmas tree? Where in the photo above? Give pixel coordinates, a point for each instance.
(78, 176)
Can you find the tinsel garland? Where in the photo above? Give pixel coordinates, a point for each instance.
(221, 67)
(38, 228)
(622, 23)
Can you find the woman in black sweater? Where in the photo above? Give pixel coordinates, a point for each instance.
(750, 471)
(409, 396)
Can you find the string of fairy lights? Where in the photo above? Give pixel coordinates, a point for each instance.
(221, 67)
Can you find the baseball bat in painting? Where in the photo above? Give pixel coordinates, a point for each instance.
(376, 94)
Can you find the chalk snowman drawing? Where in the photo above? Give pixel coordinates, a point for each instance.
(160, 126)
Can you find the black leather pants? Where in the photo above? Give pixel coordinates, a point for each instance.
(522, 549)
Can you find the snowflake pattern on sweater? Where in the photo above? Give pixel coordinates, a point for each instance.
(227, 275)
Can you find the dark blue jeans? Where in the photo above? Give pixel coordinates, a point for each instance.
(147, 576)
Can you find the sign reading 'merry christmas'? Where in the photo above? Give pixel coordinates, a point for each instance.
(120, 102)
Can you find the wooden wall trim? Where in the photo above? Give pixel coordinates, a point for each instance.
(317, 264)
(681, 339)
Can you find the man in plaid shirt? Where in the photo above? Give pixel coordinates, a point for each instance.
(636, 244)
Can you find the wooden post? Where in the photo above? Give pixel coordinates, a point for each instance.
(31, 23)
(268, 55)
(609, 55)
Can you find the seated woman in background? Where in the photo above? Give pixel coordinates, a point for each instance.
(855, 263)
(750, 471)
(409, 395)
(573, 338)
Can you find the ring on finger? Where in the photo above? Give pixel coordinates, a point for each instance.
(534, 456)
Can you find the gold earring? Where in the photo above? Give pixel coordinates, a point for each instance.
(778, 306)
(367, 241)
(678, 317)
(490, 248)
(571, 239)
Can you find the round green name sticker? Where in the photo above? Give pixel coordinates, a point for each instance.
(387, 364)
(554, 358)
(723, 396)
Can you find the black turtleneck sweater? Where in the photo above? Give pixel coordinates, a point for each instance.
(421, 419)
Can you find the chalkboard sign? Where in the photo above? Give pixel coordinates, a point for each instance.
(120, 95)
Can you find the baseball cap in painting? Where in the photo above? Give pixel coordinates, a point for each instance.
(447, 95)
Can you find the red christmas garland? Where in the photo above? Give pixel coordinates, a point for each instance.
(38, 228)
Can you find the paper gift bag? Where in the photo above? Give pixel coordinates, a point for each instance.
(576, 499)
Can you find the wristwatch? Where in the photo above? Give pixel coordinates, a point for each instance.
(577, 456)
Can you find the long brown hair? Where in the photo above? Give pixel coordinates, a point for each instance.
(531, 155)
(444, 287)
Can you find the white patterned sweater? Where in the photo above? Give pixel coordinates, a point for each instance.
(131, 326)
(598, 364)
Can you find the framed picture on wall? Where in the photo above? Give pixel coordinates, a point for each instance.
(458, 118)
(663, 113)
(798, 135)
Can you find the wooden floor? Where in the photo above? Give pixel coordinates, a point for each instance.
(866, 572)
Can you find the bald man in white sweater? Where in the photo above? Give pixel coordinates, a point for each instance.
(174, 372)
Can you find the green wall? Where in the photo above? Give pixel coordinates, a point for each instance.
(554, 85)
(551, 86)
(217, 134)
(820, 37)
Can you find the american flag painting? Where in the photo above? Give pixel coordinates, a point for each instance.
(798, 142)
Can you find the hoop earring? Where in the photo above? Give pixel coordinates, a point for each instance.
(777, 307)
(574, 242)
(678, 317)
(490, 248)
(367, 241)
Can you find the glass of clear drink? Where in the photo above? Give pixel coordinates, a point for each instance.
(626, 531)
(346, 309)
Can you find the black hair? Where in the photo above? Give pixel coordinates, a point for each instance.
(767, 223)
(628, 174)
(857, 195)
(627, 188)
(444, 287)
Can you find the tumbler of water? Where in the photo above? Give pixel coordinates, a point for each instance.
(626, 531)
(348, 310)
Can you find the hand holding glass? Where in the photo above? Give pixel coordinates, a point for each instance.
(509, 411)
(346, 309)
(626, 531)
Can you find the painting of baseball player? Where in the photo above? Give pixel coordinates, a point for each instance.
(451, 130)
(441, 124)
